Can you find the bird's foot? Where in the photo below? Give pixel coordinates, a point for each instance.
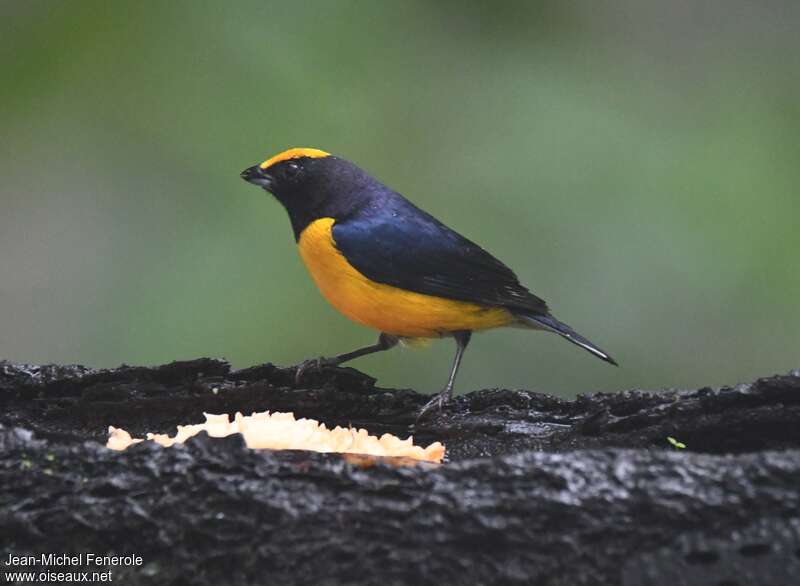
(312, 364)
(438, 401)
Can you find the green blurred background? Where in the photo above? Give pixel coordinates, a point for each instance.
(636, 163)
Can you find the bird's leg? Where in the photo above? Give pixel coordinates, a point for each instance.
(385, 342)
(462, 339)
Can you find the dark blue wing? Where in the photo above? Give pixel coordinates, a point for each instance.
(401, 245)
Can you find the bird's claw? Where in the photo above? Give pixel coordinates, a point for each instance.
(310, 364)
(438, 401)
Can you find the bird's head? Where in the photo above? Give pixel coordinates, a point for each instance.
(289, 175)
(311, 184)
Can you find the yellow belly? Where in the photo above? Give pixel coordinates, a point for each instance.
(383, 307)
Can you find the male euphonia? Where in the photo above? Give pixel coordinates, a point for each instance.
(386, 264)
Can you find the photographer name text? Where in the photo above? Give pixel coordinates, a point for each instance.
(78, 559)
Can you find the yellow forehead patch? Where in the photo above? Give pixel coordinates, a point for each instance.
(295, 153)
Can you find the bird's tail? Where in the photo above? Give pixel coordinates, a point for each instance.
(551, 324)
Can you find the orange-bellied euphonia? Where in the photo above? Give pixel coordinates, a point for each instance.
(386, 264)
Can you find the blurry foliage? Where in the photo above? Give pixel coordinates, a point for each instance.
(635, 163)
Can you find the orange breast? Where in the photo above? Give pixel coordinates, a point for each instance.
(383, 307)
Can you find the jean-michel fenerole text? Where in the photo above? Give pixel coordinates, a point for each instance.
(78, 559)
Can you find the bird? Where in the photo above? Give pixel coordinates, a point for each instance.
(386, 264)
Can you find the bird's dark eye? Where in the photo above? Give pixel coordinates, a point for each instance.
(292, 169)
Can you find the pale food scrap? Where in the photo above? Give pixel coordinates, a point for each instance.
(281, 431)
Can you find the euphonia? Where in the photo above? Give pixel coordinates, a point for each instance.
(386, 264)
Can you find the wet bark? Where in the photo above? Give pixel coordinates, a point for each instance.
(536, 489)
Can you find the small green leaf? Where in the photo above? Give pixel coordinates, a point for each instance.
(675, 443)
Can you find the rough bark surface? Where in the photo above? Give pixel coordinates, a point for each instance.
(536, 490)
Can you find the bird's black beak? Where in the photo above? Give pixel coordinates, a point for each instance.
(257, 176)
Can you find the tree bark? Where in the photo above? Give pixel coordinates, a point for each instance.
(535, 490)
